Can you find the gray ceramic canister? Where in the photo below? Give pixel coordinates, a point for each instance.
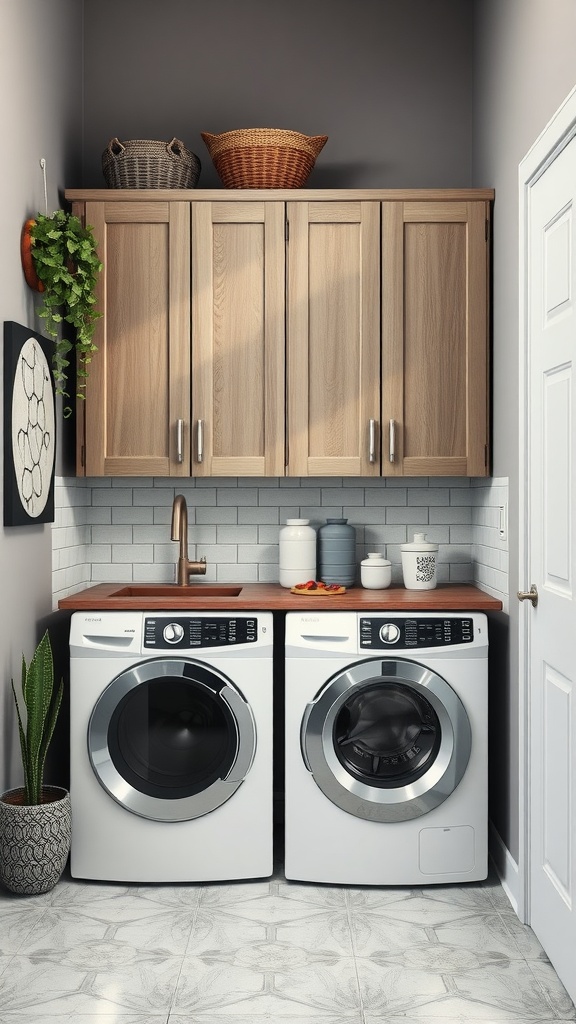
(337, 552)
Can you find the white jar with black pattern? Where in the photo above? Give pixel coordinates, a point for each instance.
(419, 563)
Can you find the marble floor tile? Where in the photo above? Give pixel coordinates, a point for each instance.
(272, 951)
(313, 931)
(95, 982)
(524, 937)
(273, 983)
(82, 1018)
(487, 992)
(553, 988)
(218, 1018)
(16, 924)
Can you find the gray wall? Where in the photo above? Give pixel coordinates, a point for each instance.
(389, 81)
(524, 68)
(40, 113)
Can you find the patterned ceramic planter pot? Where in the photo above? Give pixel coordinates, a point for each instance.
(34, 840)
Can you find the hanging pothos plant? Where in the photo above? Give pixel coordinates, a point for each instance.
(61, 261)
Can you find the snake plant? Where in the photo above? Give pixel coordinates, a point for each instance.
(42, 707)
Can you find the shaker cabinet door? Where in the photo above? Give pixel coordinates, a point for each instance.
(434, 339)
(238, 282)
(333, 339)
(138, 395)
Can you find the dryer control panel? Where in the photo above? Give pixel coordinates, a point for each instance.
(187, 632)
(410, 633)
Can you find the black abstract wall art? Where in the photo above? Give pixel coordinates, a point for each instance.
(29, 427)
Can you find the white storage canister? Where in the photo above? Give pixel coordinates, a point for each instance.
(419, 563)
(375, 571)
(337, 552)
(297, 552)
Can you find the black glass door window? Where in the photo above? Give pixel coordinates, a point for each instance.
(172, 737)
(386, 734)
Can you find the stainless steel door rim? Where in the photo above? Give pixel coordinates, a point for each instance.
(391, 802)
(214, 687)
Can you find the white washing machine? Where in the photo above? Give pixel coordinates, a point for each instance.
(386, 747)
(171, 746)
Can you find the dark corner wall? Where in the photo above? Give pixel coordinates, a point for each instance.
(389, 81)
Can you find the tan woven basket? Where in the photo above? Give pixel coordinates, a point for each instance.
(263, 157)
(145, 163)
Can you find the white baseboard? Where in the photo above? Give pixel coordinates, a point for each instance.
(506, 867)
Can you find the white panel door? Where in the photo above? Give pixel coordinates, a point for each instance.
(552, 350)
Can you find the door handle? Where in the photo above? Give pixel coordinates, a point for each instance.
(200, 441)
(392, 447)
(179, 440)
(529, 595)
(372, 441)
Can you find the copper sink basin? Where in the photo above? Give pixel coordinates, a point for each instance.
(171, 590)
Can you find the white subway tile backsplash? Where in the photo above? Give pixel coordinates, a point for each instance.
(449, 514)
(132, 553)
(238, 534)
(429, 496)
(385, 498)
(335, 496)
(258, 554)
(116, 573)
(119, 530)
(135, 516)
(108, 496)
(237, 572)
(112, 534)
(238, 496)
(416, 515)
(225, 516)
(153, 496)
(253, 515)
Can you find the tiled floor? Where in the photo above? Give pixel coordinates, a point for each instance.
(271, 951)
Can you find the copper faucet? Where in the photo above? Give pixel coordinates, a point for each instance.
(185, 568)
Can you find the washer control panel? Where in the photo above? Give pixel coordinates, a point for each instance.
(380, 634)
(187, 632)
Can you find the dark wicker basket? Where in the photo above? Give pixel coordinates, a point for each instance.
(144, 163)
(263, 157)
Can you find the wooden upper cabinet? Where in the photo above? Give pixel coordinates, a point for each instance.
(333, 338)
(138, 386)
(238, 294)
(298, 333)
(434, 338)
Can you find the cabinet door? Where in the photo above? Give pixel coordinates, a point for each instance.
(333, 347)
(138, 398)
(434, 339)
(238, 294)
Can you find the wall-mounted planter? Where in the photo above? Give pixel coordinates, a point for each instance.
(32, 279)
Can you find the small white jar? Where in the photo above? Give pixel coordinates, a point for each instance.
(419, 563)
(297, 559)
(375, 571)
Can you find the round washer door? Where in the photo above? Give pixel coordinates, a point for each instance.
(171, 739)
(386, 740)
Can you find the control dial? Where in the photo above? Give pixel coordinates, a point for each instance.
(389, 633)
(173, 632)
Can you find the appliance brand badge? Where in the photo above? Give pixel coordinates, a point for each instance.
(310, 618)
(93, 618)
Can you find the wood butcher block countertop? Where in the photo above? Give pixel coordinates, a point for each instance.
(272, 597)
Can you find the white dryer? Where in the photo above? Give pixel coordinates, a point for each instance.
(386, 747)
(171, 746)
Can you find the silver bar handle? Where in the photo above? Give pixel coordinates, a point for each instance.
(200, 441)
(392, 448)
(180, 440)
(372, 441)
